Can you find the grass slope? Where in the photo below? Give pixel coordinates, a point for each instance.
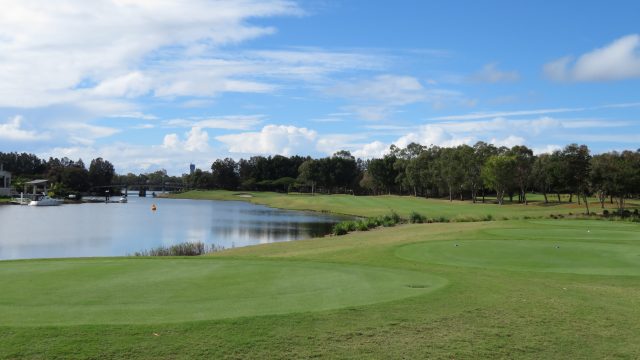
(491, 307)
(381, 205)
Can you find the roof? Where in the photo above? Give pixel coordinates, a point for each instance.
(37, 182)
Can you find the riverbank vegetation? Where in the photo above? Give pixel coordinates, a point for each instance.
(183, 249)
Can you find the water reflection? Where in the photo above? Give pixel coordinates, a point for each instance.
(120, 229)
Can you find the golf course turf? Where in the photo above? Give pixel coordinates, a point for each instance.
(538, 289)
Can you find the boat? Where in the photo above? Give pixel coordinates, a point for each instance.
(45, 200)
(122, 200)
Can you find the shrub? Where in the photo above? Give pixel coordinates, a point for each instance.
(372, 223)
(416, 218)
(362, 225)
(388, 222)
(395, 217)
(488, 217)
(340, 229)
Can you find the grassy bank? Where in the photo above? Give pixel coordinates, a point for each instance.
(367, 206)
(508, 289)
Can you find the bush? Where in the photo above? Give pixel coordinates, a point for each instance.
(488, 217)
(605, 212)
(388, 222)
(372, 223)
(395, 217)
(416, 218)
(340, 229)
(362, 225)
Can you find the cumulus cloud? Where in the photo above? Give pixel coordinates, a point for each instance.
(12, 131)
(434, 135)
(197, 139)
(272, 139)
(372, 150)
(491, 74)
(616, 61)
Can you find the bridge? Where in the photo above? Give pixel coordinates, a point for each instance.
(141, 188)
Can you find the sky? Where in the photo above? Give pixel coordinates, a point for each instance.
(160, 84)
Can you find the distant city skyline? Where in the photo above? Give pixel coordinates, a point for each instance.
(162, 85)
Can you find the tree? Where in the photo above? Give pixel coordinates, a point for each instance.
(524, 163)
(309, 173)
(451, 169)
(577, 162)
(541, 175)
(498, 173)
(225, 174)
(101, 172)
(383, 172)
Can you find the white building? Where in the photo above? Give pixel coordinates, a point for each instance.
(5, 182)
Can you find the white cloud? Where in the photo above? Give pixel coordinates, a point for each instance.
(434, 135)
(616, 61)
(229, 122)
(377, 98)
(495, 114)
(547, 149)
(196, 140)
(65, 53)
(487, 115)
(390, 89)
(491, 74)
(12, 130)
(272, 139)
(372, 150)
(329, 144)
(135, 115)
(171, 141)
(509, 141)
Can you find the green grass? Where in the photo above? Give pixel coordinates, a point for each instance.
(506, 291)
(148, 291)
(403, 205)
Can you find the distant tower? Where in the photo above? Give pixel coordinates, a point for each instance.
(192, 168)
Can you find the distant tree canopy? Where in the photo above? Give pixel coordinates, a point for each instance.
(461, 172)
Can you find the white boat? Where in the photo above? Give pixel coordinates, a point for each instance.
(44, 200)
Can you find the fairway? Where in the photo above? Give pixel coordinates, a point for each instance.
(578, 247)
(136, 291)
(536, 289)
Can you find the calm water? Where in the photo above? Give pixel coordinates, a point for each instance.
(121, 229)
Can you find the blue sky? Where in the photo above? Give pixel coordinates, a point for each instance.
(159, 84)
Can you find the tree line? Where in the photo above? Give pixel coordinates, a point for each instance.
(68, 176)
(462, 172)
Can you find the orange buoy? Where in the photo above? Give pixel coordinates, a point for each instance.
(153, 207)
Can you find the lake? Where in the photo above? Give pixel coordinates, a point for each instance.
(99, 229)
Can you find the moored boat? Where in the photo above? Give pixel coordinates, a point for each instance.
(45, 200)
